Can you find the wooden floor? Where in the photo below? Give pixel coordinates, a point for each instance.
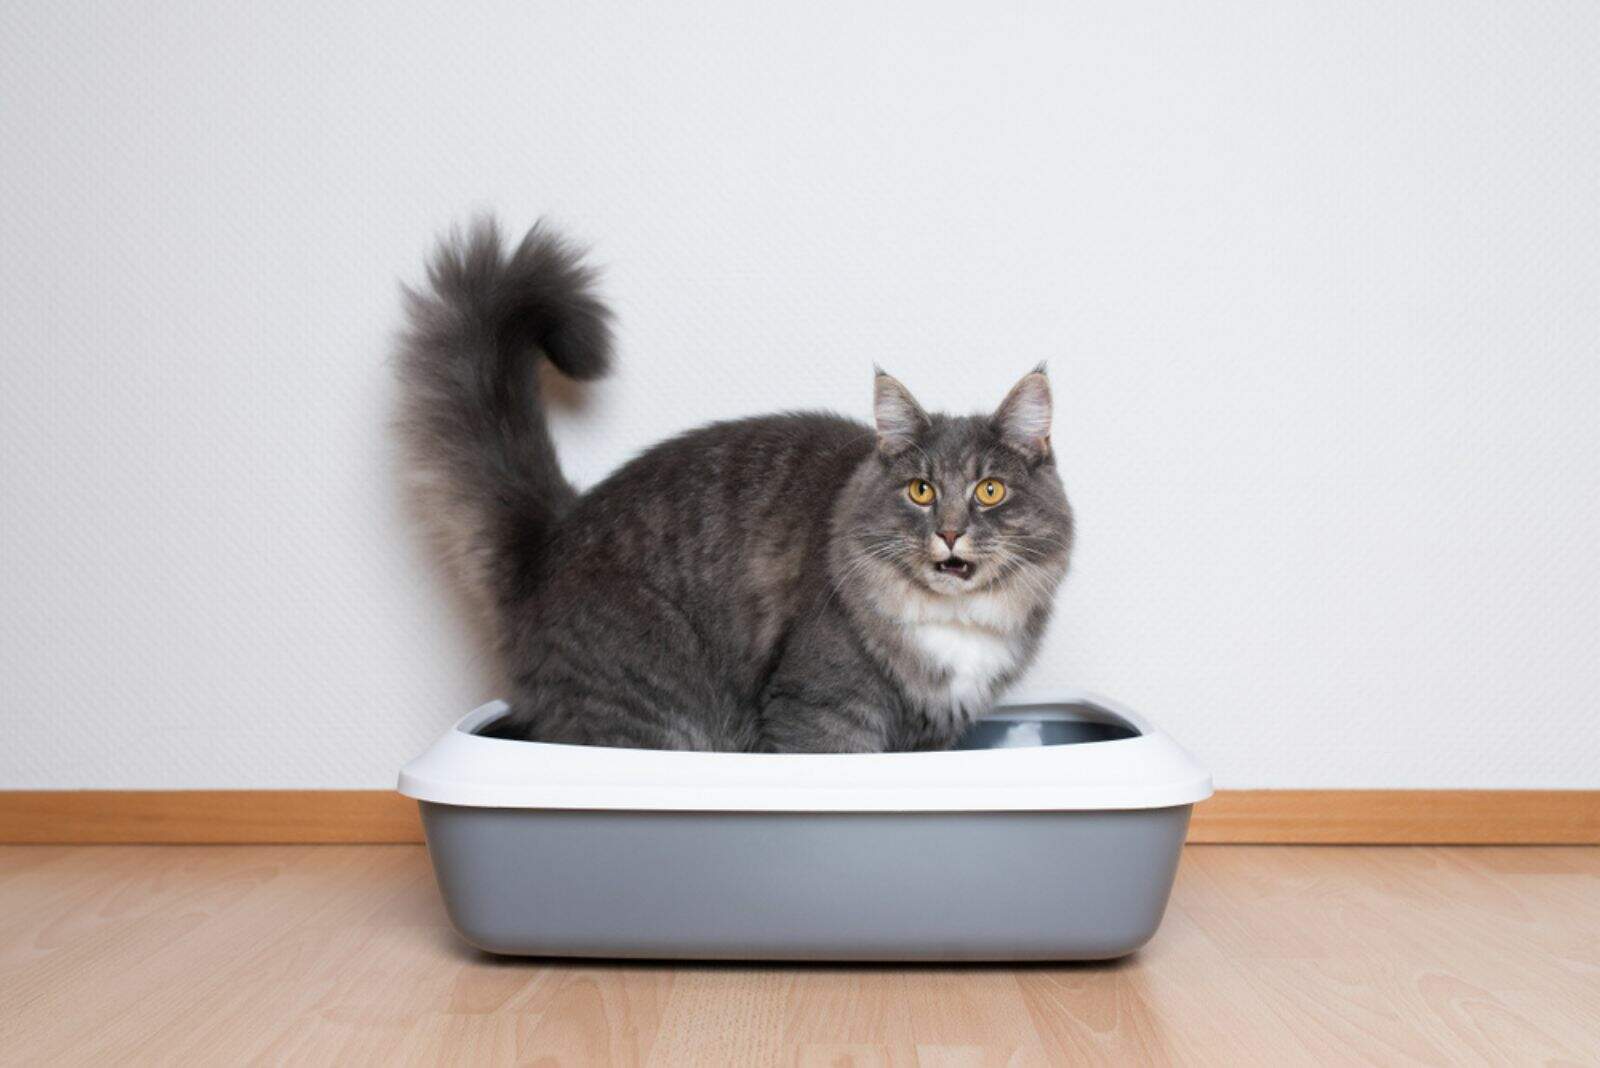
(340, 954)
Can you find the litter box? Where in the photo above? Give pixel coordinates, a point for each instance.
(1052, 833)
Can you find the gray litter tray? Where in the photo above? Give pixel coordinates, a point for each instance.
(1052, 833)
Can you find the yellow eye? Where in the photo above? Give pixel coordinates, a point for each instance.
(920, 491)
(990, 491)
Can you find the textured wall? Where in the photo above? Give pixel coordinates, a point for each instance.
(1319, 285)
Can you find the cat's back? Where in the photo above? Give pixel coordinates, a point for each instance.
(727, 517)
(755, 478)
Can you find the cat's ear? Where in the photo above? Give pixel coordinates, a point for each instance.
(899, 417)
(1023, 418)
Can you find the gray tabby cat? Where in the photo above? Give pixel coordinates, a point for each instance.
(787, 583)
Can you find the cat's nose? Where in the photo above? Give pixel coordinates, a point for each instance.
(950, 537)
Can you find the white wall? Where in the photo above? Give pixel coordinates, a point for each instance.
(1319, 285)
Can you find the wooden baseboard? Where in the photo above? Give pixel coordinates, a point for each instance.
(1400, 817)
(1394, 817)
(194, 817)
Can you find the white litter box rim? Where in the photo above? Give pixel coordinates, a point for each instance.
(1146, 771)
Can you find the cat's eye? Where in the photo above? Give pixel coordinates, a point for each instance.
(990, 491)
(920, 491)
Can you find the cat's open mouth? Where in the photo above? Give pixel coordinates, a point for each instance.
(956, 566)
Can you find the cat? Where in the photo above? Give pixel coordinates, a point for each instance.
(786, 583)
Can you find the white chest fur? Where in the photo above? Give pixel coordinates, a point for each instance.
(973, 658)
(968, 645)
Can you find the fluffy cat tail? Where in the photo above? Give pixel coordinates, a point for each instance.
(483, 469)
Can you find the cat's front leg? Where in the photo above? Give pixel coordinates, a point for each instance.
(800, 723)
(825, 697)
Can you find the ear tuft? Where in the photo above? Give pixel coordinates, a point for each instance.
(1023, 418)
(898, 415)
